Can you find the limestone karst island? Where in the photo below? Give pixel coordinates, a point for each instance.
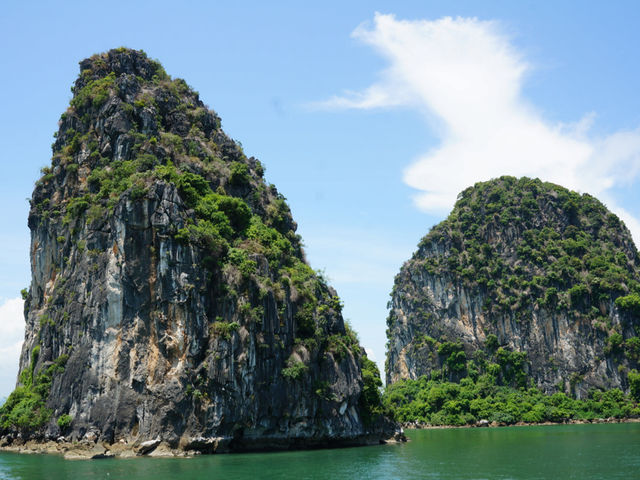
(522, 306)
(171, 310)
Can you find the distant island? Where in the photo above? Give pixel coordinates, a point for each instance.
(522, 306)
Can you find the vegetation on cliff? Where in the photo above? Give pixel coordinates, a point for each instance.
(558, 249)
(495, 387)
(25, 408)
(437, 402)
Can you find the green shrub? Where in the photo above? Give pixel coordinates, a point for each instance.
(64, 421)
(239, 174)
(614, 343)
(295, 370)
(236, 210)
(304, 320)
(231, 211)
(634, 384)
(274, 245)
(45, 320)
(491, 343)
(632, 348)
(206, 235)
(629, 303)
(370, 398)
(240, 259)
(192, 187)
(95, 93)
(25, 410)
(138, 190)
(578, 294)
(172, 141)
(223, 329)
(77, 206)
(550, 296)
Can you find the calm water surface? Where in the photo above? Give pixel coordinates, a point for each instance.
(553, 452)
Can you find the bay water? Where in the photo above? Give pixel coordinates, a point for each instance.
(595, 451)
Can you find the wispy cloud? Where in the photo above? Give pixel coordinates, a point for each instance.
(371, 354)
(466, 74)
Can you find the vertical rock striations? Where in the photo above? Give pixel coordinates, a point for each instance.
(170, 299)
(540, 279)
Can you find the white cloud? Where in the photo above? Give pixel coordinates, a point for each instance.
(370, 354)
(466, 74)
(11, 337)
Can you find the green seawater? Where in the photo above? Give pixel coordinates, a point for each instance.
(607, 451)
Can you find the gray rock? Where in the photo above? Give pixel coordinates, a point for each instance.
(148, 446)
(135, 309)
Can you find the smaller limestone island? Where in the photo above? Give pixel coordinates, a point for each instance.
(522, 306)
(171, 309)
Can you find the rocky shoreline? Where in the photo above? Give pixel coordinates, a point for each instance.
(91, 449)
(487, 423)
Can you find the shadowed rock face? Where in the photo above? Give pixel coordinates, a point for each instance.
(547, 271)
(169, 286)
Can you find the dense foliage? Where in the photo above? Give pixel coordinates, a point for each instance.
(371, 398)
(25, 409)
(437, 402)
(494, 387)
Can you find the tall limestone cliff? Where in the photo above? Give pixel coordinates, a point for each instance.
(526, 280)
(170, 299)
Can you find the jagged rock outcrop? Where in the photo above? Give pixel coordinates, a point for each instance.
(520, 266)
(170, 301)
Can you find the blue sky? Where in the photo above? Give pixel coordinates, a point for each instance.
(368, 123)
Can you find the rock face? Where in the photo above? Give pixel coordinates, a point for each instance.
(520, 266)
(170, 300)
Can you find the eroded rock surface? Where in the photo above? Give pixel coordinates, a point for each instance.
(170, 302)
(522, 266)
